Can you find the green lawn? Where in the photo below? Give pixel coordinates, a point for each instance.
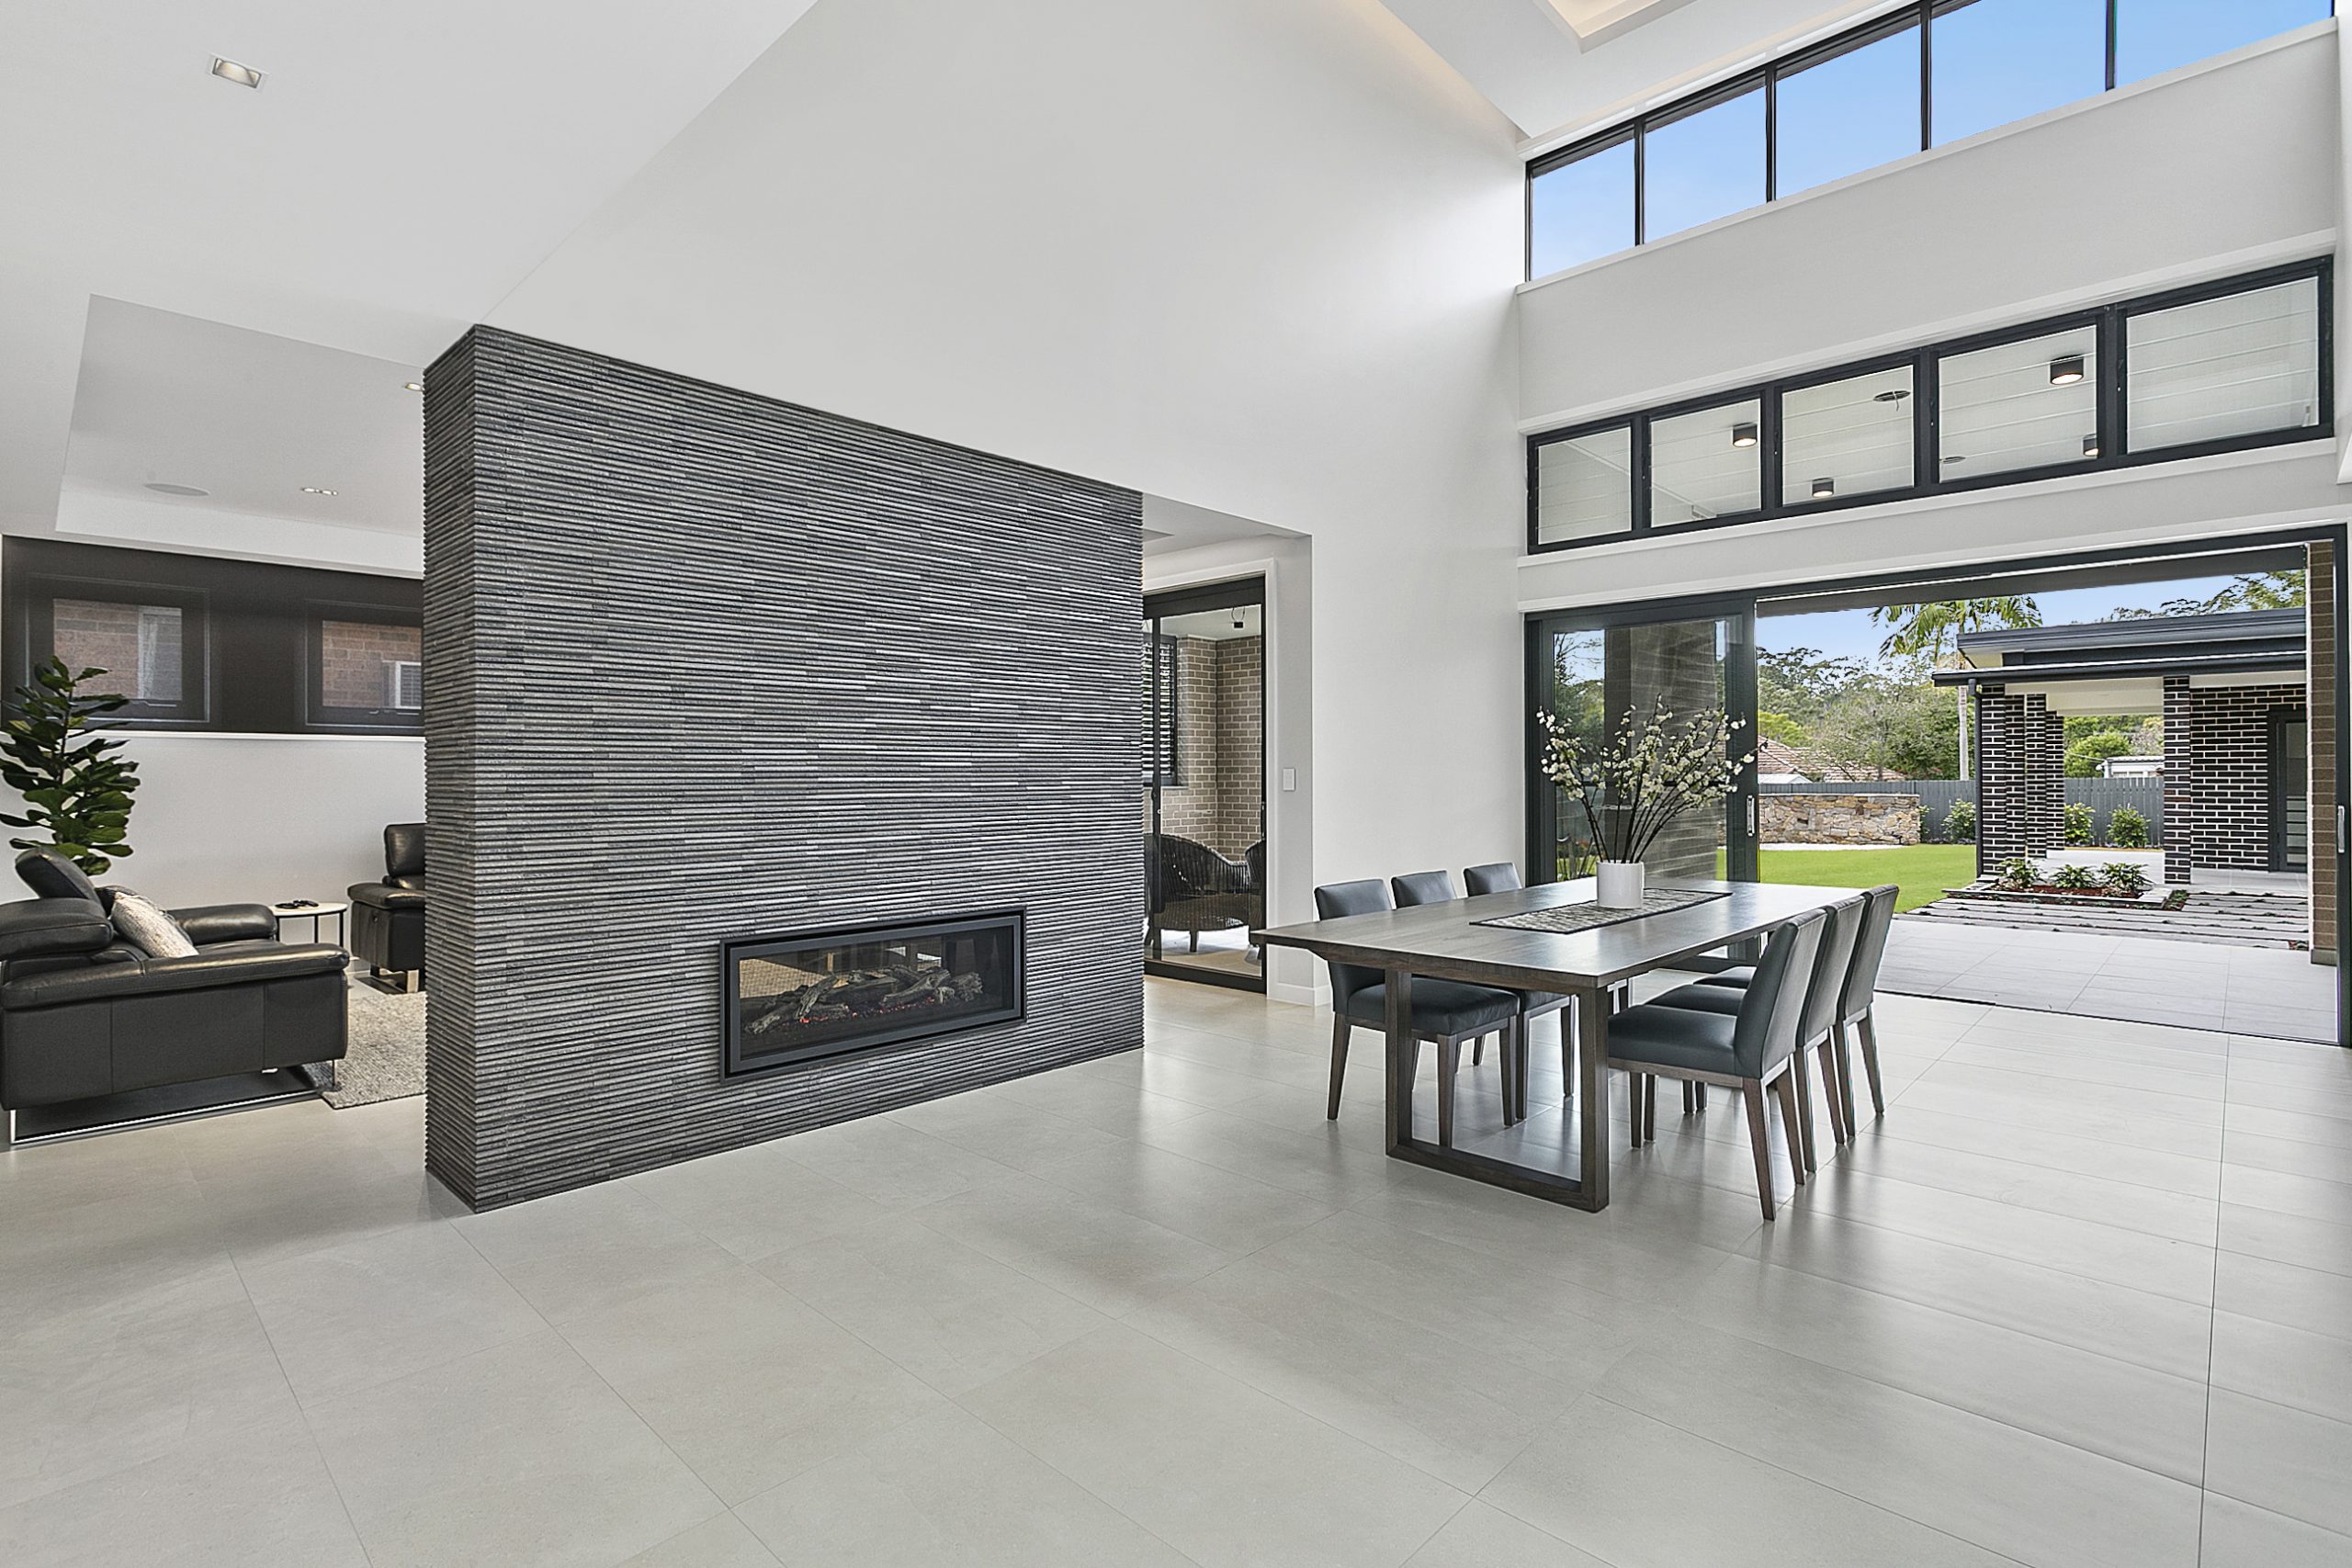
(1922, 871)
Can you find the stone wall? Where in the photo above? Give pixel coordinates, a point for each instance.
(1838, 818)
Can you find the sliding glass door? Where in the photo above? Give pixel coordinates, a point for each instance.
(1598, 673)
(1204, 784)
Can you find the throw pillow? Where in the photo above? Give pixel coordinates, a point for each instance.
(150, 929)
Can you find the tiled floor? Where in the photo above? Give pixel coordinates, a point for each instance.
(2084, 1297)
(2244, 990)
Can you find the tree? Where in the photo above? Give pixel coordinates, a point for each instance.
(2247, 590)
(74, 788)
(1780, 727)
(1932, 631)
(2083, 756)
(1802, 683)
(1887, 727)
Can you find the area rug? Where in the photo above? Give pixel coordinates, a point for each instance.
(386, 1057)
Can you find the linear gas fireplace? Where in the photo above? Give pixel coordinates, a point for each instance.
(798, 998)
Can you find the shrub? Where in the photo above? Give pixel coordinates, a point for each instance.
(2124, 876)
(2127, 830)
(2077, 819)
(2073, 878)
(2019, 876)
(1960, 823)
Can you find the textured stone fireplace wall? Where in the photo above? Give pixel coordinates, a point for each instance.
(705, 665)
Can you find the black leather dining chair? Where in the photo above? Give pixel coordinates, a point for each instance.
(1819, 1029)
(1857, 1003)
(1501, 876)
(1446, 1012)
(1751, 1049)
(1416, 888)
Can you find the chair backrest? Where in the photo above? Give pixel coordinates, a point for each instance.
(1423, 887)
(1831, 965)
(1870, 946)
(50, 875)
(403, 851)
(1366, 898)
(1500, 878)
(1765, 1034)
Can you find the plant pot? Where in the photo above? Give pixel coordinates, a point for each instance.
(1621, 884)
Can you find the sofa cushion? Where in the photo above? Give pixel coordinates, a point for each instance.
(384, 895)
(46, 927)
(50, 875)
(212, 923)
(150, 929)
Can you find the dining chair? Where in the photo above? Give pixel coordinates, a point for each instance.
(1416, 888)
(1501, 876)
(1751, 1049)
(1817, 1031)
(1445, 1013)
(1856, 1005)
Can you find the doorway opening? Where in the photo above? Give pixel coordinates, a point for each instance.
(1204, 784)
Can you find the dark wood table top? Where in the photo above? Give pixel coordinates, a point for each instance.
(1444, 940)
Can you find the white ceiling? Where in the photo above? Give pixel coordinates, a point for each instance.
(400, 171)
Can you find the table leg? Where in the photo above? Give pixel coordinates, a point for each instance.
(1592, 1051)
(1400, 1057)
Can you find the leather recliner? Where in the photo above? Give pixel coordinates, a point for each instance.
(387, 917)
(82, 1013)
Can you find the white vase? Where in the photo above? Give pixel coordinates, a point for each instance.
(1621, 885)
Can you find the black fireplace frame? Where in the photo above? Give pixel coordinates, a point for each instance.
(734, 949)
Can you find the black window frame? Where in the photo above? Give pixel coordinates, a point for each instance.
(385, 720)
(1921, 14)
(39, 641)
(1929, 476)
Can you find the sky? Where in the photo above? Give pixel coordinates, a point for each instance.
(1849, 634)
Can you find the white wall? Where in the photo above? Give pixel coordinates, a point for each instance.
(2218, 169)
(1256, 256)
(258, 818)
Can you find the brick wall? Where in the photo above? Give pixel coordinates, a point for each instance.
(2022, 777)
(2320, 629)
(2180, 769)
(2229, 738)
(353, 659)
(94, 634)
(1219, 798)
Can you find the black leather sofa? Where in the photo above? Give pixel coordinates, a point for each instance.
(387, 917)
(83, 1015)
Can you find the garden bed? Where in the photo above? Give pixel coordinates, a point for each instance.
(2045, 893)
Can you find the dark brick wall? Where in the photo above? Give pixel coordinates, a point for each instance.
(2229, 799)
(2022, 777)
(707, 665)
(2321, 619)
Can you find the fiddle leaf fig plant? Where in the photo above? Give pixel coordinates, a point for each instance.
(75, 788)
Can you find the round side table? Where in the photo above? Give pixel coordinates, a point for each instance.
(314, 913)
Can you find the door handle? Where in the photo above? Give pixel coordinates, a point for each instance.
(2343, 829)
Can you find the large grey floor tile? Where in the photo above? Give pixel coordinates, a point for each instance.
(2012, 1492)
(2239, 1535)
(519, 1455)
(583, 1251)
(1481, 1536)
(1224, 1473)
(1237, 1214)
(1314, 1161)
(948, 1489)
(2287, 1461)
(2287, 1239)
(725, 1541)
(2043, 1149)
(257, 1498)
(953, 1317)
(127, 1251)
(2175, 1215)
(1636, 1492)
(891, 1163)
(2079, 1116)
(2287, 1366)
(2313, 1299)
(1112, 1261)
(758, 1200)
(343, 1318)
(1006, 1130)
(749, 1384)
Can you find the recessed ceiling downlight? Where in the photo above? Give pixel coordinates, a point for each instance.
(229, 70)
(414, 385)
(178, 490)
(316, 490)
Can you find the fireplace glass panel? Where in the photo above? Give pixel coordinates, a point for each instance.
(796, 998)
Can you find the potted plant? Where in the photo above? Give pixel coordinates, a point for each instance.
(74, 788)
(1653, 771)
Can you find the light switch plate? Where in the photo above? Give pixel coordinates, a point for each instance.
(1290, 779)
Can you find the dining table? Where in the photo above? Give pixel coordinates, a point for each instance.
(1453, 941)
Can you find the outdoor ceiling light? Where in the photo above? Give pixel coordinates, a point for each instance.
(1743, 436)
(1892, 394)
(2090, 445)
(316, 490)
(229, 70)
(177, 490)
(2066, 370)
(414, 385)
(1824, 489)
(1956, 457)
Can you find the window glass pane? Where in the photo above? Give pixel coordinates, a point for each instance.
(1584, 487)
(367, 665)
(1704, 167)
(1998, 60)
(2019, 405)
(138, 646)
(1849, 437)
(1706, 463)
(1581, 210)
(2155, 36)
(1850, 113)
(2222, 368)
